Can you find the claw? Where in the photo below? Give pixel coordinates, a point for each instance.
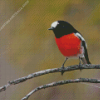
(62, 68)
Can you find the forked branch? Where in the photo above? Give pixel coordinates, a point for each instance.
(47, 71)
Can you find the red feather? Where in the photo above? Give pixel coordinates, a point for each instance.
(69, 45)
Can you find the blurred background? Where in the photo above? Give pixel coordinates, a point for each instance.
(26, 46)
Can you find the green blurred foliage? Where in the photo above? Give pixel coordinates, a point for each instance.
(27, 46)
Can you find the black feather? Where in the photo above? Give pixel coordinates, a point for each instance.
(86, 52)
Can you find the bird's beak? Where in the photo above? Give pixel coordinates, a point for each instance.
(51, 28)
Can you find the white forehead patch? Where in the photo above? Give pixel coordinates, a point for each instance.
(54, 24)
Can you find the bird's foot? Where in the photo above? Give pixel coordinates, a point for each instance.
(62, 69)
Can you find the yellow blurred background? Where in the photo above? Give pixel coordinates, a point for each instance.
(26, 46)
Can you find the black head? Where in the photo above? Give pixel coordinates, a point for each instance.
(61, 28)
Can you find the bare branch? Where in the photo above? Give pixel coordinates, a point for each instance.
(60, 83)
(47, 71)
(3, 88)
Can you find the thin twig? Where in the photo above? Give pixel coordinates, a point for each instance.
(60, 83)
(47, 71)
(3, 88)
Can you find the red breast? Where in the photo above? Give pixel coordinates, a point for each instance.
(69, 45)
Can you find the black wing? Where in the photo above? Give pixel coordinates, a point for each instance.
(85, 48)
(85, 52)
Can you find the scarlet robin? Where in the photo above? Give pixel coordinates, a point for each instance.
(70, 42)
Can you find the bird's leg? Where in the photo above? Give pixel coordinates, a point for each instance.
(80, 63)
(62, 67)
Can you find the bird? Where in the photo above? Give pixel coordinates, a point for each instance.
(70, 42)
